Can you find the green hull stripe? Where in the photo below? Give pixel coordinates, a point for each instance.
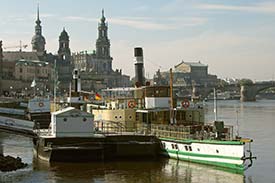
(239, 168)
(200, 155)
(205, 141)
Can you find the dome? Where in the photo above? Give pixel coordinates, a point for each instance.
(38, 39)
(64, 35)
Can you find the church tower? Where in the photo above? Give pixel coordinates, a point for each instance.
(102, 42)
(38, 41)
(104, 60)
(64, 52)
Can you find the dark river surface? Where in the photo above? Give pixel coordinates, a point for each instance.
(255, 119)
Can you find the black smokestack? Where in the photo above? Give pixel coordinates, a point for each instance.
(77, 82)
(139, 67)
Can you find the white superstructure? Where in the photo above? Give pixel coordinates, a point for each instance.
(71, 122)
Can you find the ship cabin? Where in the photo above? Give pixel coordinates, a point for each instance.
(71, 122)
(158, 109)
(149, 105)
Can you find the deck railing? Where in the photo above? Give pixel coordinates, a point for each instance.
(198, 132)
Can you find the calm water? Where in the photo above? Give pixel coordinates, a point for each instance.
(256, 120)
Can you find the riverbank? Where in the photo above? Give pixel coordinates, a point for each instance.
(9, 163)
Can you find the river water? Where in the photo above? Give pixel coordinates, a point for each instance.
(254, 119)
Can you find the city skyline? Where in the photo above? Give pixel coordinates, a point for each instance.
(235, 39)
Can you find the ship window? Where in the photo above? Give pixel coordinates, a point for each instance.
(190, 148)
(186, 148)
(176, 146)
(172, 146)
(198, 149)
(217, 150)
(120, 117)
(84, 119)
(65, 119)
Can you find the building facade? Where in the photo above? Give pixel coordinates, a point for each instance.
(187, 74)
(28, 70)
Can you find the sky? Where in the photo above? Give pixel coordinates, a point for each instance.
(236, 39)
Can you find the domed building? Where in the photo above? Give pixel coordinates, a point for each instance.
(38, 40)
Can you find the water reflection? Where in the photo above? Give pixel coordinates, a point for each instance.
(163, 170)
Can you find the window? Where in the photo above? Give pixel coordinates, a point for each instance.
(217, 151)
(186, 148)
(65, 119)
(190, 148)
(198, 149)
(20, 70)
(176, 146)
(84, 119)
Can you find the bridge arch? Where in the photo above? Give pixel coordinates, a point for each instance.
(249, 92)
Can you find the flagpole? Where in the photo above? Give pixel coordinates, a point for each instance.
(34, 89)
(54, 87)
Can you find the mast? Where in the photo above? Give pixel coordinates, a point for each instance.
(215, 105)
(171, 98)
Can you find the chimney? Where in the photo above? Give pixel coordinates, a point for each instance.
(76, 77)
(139, 67)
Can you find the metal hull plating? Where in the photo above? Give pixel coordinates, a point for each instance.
(225, 154)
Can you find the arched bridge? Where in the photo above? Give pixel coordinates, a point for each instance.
(249, 92)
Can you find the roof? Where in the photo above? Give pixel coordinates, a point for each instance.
(63, 110)
(17, 55)
(64, 35)
(192, 64)
(71, 112)
(32, 62)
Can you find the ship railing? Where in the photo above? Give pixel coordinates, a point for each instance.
(109, 127)
(183, 132)
(165, 131)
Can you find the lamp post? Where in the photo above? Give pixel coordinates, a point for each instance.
(11, 90)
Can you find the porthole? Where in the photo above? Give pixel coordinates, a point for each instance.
(198, 149)
(186, 148)
(217, 151)
(130, 117)
(64, 119)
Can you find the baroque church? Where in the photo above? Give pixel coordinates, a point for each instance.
(19, 68)
(61, 62)
(96, 67)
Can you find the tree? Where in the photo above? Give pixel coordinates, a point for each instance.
(245, 82)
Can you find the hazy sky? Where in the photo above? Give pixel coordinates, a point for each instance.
(234, 38)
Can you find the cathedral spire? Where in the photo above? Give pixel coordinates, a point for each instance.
(102, 16)
(38, 22)
(38, 41)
